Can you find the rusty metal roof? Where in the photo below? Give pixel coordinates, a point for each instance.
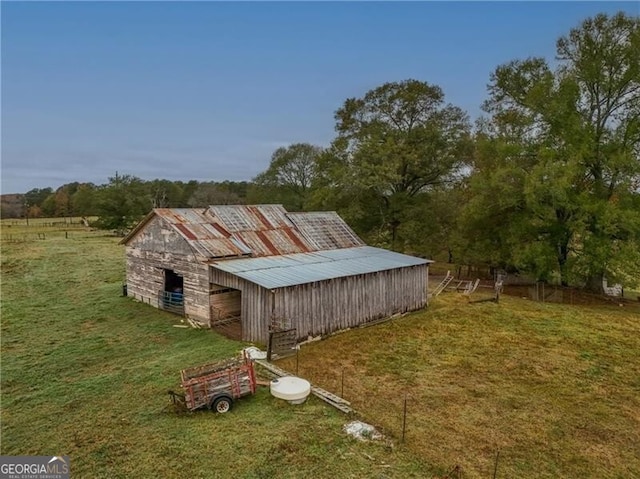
(301, 268)
(258, 230)
(198, 229)
(250, 218)
(325, 230)
(265, 229)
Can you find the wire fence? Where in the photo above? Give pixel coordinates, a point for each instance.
(22, 236)
(404, 417)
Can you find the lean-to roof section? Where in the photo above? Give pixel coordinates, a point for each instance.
(301, 268)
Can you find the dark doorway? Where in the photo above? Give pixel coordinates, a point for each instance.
(172, 297)
(172, 281)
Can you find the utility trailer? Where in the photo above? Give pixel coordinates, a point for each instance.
(216, 385)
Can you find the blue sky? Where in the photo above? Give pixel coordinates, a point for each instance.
(208, 90)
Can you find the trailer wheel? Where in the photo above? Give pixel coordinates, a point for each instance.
(222, 404)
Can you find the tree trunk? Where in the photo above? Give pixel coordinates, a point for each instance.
(595, 283)
(563, 255)
(395, 224)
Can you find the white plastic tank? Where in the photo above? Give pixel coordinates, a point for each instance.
(290, 388)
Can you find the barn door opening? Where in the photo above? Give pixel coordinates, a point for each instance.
(172, 296)
(225, 310)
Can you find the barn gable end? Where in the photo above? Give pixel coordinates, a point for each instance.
(151, 255)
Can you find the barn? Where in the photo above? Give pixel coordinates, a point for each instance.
(253, 268)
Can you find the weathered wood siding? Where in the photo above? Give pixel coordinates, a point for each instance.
(318, 309)
(255, 304)
(324, 307)
(157, 248)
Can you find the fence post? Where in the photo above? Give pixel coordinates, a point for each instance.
(269, 346)
(404, 417)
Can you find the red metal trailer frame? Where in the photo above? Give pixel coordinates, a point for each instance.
(216, 385)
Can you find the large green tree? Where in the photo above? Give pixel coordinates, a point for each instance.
(83, 200)
(394, 145)
(558, 161)
(290, 176)
(122, 202)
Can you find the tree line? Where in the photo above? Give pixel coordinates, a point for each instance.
(547, 181)
(123, 200)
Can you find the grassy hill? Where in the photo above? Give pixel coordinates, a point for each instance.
(85, 372)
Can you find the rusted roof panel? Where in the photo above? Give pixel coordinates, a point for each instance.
(220, 248)
(265, 229)
(325, 230)
(272, 242)
(186, 232)
(182, 215)
(235, 218)
(205, 237)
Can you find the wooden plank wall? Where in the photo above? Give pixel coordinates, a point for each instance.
(318, 309)
(156, 248)
(324, 307)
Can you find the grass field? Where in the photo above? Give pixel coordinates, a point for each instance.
(555, 389)
(84, 372)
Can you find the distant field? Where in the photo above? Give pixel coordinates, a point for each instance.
(17, 230)
(556, 389)
(44, 222)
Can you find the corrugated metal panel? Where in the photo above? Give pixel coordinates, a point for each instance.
(302, 268)
(219, 248)
(325, 230)
(264, 229)
(250, 218)
(182, 215)
(198, 229)
(272, 242)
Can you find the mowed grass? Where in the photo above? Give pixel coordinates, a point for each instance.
(555, 389)
(85, 373)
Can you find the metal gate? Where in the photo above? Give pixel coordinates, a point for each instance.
(282, 343)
